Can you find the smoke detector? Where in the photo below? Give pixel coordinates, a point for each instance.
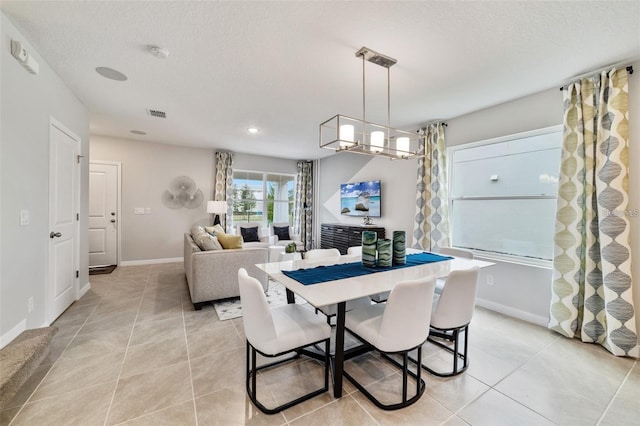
(159, 52)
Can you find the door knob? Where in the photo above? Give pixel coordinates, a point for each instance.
(113, 221)
(55, 234)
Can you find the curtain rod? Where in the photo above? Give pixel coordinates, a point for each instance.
(444, 124)
(629, 70)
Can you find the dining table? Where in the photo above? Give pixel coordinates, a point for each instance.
(339, 291)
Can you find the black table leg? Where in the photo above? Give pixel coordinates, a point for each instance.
(339, 355)
(290, 297)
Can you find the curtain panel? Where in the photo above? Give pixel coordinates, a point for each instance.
(431, 225)
(224, 185)
(592, 285)
(303, 203)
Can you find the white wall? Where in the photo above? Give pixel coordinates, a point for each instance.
(147, 170)
(28, 103)
(264, 164)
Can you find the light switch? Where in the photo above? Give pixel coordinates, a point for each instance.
(147, 210)
(138, 210)
(24, 217)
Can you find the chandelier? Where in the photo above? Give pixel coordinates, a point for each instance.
(347, 134)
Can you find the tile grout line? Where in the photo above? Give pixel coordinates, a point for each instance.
(615, 395)
(186, 342)
(126, 351)
(28, 400)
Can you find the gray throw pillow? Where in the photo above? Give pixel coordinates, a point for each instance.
(207, 242)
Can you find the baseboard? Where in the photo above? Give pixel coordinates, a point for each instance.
(84, 290)
(151, 261)
(7, 337)
(513, 312)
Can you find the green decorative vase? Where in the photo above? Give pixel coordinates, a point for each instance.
(384, 253)
(369, 240)
(399, 248)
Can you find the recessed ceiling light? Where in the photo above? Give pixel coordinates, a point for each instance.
(253, 130)
(110, 73)
(138, 132)
(159, 52)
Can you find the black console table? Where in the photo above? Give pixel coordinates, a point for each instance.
(341, 236)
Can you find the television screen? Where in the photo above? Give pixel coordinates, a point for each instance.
(360, 198)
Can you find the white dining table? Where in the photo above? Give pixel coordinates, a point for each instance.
(340, 291)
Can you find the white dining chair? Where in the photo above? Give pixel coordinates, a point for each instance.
(451, 315)
(332, 255)
(455, 252)
(275, 332)
(397, 327)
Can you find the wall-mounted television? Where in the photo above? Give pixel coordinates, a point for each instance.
(360, 199)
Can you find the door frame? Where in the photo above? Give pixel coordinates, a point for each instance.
(118, 165)
(76, 280)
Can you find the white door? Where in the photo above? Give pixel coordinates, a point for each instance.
(103, 214)
(63, 220)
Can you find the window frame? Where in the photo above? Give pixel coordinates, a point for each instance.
(265, 200)
(510, 258)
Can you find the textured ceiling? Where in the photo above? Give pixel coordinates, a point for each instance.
(286, 66)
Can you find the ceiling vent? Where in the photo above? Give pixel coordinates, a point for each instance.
(156, 113)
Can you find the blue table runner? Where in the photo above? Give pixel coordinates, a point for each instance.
(322, 274)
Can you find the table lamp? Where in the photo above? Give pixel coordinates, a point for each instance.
(217, 208)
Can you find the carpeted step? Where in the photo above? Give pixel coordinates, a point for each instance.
(20, 358)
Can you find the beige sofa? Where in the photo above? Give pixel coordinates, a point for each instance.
(213, 275)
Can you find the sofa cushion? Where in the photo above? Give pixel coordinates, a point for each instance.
(214, 230)
(282, 232)
(207, 242)
(229, 241)
(250, 235)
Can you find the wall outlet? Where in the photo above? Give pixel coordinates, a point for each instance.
(138, 210)
(490, 279)
(24, 217)
(30, 305)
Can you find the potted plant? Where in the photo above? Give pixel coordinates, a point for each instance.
(290, 248)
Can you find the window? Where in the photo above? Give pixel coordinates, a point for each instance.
(262, 197)
(503, 194)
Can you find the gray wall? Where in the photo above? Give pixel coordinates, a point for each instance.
(28, 103)
(398, 185)
(147, 170)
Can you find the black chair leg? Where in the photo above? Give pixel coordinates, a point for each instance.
(455, 338)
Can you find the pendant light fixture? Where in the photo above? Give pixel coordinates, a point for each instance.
(347, 134)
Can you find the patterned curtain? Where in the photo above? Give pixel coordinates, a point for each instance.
(591, 291)
(431, 226)
(303, 204)
(224, 185)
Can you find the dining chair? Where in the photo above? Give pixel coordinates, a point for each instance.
(331, 255)
(451, 315)
(455, 252)
(275, 332)
(397, 327)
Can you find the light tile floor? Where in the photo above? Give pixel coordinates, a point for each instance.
(132, 351)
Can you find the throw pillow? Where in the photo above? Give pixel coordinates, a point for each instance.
(282, 232)
(196, 230)
(207, 242)
(229, 241)
(250, 235)
(214, 230)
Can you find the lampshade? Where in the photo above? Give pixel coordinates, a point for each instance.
(217, 207)
(377, 141)
(402, 144)
(346, 134)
